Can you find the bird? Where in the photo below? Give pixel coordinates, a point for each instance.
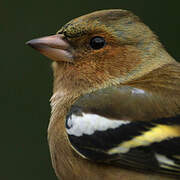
(115, 108)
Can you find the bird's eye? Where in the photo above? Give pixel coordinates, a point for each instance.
(97, 42)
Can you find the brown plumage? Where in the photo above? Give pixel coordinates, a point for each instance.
(104, 81)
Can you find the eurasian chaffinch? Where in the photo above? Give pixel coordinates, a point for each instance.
(116, 100)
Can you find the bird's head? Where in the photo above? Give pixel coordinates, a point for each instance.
(104, 48)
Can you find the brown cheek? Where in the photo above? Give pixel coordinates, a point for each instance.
(109, 61)
(125, 59)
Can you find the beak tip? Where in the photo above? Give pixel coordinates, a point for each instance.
(29, 43)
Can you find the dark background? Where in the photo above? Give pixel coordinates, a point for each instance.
(26, 77)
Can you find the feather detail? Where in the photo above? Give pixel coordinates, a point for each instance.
(143, 145)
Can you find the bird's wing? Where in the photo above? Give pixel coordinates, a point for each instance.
(151, 146)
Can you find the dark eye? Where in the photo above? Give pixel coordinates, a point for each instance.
(97, 42)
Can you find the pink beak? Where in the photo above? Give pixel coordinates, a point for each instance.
(54, 47)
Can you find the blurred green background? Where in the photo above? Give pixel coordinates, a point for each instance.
(27, 78)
